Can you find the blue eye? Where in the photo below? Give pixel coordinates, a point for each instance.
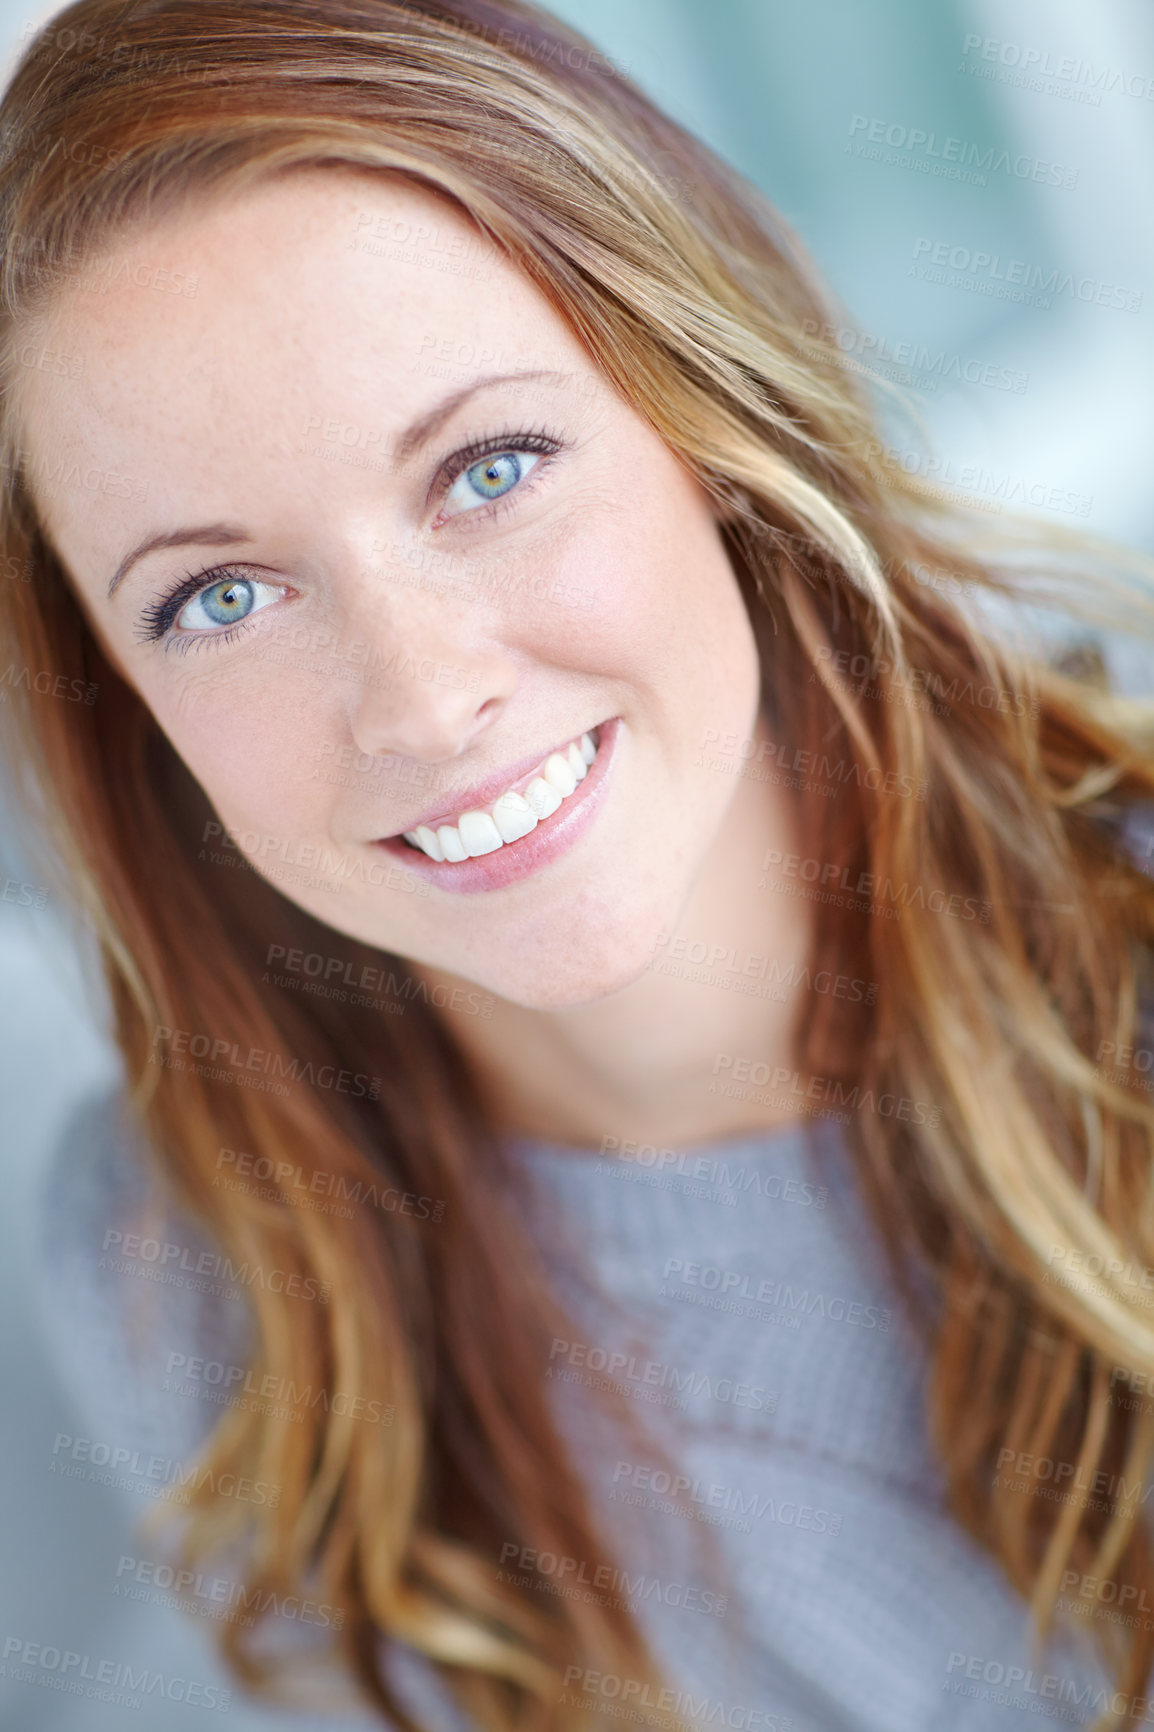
(495, 475)
(226, 602)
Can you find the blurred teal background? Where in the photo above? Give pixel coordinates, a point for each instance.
(1051, 403)
(791, 94)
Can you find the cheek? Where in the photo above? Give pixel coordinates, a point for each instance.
(652, 596)
(253, 745)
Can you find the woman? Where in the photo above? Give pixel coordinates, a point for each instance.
(628, 982)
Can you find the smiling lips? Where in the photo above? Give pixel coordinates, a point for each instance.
(512, 814)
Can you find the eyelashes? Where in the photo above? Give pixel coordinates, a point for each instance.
(505, 471)
(158, 617)
(487, 456)
(539, 441)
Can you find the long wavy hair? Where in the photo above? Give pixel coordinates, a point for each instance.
(1019, 1212)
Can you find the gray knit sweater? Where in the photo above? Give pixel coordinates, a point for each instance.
(735, 1293)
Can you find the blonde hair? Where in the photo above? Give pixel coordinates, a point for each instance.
(1015, 964)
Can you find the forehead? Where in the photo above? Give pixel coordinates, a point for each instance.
(355, 295)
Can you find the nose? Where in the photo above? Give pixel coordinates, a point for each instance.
(424, 692)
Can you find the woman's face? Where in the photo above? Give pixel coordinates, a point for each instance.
(389, 548)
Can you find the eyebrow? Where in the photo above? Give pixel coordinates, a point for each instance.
(420, 432)
(412, 440)
(206, 535)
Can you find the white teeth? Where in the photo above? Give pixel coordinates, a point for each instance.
(427, 839)
(559, 775)
(512, 815)
(478, 833)
(451, 843)
(543, 799)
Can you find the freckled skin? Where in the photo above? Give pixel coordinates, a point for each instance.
(442, 641)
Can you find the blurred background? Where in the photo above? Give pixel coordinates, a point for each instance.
(1006, 282)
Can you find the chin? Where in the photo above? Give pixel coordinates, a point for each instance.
(591, 966)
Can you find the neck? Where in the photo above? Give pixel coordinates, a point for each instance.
(647, 1062)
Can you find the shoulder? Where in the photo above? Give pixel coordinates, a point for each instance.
(146, 1327)
(98, 1180)
(132, 1310)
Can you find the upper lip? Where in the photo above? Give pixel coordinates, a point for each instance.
(482, 794)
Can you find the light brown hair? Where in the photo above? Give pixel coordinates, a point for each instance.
(1016, 960)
